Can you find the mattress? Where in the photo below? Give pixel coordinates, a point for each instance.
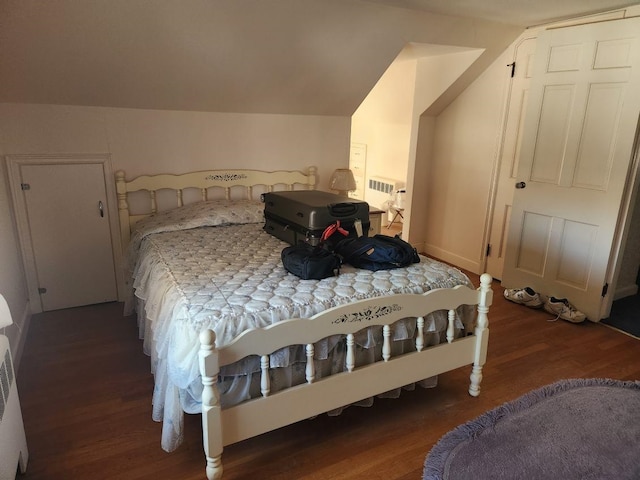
(211, 265)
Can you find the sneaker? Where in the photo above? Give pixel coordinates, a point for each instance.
(564, 310)
(524, 296)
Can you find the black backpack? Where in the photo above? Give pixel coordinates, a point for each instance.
(309, 262)
(379, 252)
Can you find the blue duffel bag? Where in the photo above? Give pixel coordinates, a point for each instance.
(380, 252)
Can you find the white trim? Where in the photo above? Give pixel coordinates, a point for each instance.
(23, 330)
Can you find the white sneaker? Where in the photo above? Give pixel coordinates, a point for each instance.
(524, 296)
(564, 310)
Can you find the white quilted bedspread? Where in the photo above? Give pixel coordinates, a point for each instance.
(230, 278)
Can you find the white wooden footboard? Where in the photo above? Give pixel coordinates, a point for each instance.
(248, 419)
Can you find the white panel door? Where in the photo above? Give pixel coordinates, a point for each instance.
(70, 234)
(574, 163)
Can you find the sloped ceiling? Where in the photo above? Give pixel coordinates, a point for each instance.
(525, 13)
(318, 57)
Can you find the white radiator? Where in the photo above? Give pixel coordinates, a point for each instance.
(13, 442)
(380, 191)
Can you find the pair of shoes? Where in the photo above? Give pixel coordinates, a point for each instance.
(524, 296)
(564, 310)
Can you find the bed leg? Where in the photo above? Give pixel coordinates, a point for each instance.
(211, 411)
(481, 333)
(214, 468)
(476, 378)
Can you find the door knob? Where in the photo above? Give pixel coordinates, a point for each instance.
(521, 185)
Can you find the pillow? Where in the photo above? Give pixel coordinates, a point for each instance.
(201, 214)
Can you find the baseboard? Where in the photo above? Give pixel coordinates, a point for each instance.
(452, 258)
(625, 291)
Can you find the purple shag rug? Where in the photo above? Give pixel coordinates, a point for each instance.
(572, 429)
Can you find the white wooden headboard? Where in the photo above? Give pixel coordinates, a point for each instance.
(203, 180)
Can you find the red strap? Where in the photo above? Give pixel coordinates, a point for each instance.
(333, 228)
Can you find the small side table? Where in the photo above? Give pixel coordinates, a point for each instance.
(375, 220)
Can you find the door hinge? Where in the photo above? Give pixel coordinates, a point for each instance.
(42, 290)
(488, 249)
(513, 69)
(25, 186)
(605, 289)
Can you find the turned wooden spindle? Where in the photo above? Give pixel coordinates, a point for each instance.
(420, 334)
(310, 371)
(451, 325)
(386, 343)
(481, 333)
(350, 352)
(265, 380)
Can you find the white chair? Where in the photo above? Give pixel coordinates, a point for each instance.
(396, 211)
(397, 206)
(13, 442)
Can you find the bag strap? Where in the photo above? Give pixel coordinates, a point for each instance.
(331, 229)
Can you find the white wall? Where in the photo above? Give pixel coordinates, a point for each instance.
(460, 165)
(434, 75)
(156, 141)
(388, 120)
(383, 122)
(143, 141)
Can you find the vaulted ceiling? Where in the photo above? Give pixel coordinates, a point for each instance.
(318, 57)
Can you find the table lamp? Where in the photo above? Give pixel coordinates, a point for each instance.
(342, 181)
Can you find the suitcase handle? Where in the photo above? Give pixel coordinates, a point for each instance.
(342, 209)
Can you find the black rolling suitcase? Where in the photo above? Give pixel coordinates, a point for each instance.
(303, 215)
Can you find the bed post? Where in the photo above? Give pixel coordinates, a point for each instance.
(485, 295)
(211, 411)
(313, 175)
(123, 209)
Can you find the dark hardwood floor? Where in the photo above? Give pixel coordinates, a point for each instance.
(85, 388)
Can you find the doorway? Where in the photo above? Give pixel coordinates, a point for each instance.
(389, 122)
(68, 238)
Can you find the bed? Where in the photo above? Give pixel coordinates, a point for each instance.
(231, 335)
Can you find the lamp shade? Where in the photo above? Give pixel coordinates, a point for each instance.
(5, 313)
(342, 181)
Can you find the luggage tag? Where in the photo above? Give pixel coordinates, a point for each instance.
(358, 225)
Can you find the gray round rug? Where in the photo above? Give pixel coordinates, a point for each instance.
(573, 429)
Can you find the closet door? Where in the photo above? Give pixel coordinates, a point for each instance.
(574, 163)
(68, 219)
